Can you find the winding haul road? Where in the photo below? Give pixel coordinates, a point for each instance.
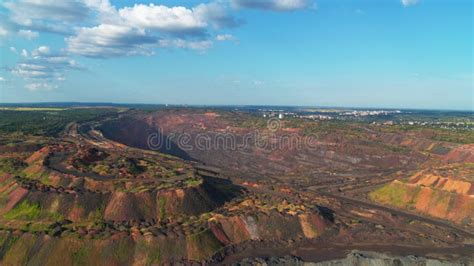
(441, 223)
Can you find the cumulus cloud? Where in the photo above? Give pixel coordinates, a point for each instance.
(25, 11)
(409, 2)
(178, 20)
(104, 8)
(96, 28)
(274, 5)
(217, 15)
(47, 15)
(42, 67)
(137, 30)
(2, 79)
(42, 50)
(163, 18)
(28, 34)
(107, 40)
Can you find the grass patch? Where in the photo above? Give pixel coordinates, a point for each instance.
(101, 169)
(193, 182)
(154, 257)
(80, 257)
(24, 211)
(161, 204)
(27, 211)
(11, 165)
(393, 194)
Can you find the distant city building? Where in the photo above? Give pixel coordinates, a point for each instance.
(281, 116)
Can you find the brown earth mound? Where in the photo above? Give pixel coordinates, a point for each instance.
(436, 192)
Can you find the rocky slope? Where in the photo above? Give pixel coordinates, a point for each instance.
(446, 192)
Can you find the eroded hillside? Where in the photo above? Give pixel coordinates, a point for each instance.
(446, 192)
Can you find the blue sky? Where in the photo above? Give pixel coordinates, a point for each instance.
(386, 53)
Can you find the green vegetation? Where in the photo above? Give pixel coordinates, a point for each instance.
(80, 257)
(101, 169)
(193, 182)
(31, 211)
(123, 251)
(24, 211)
(11, 165)
(207, 242)
(162, 204)
(244, 121)
(331, 128)
(458, 136)
(6, 242)
(35, 227)
(150, 249)
(461, 136)
(131, 165)
(393, 193)
(46, 122)
(31, 109)
(154, 257)
(97, 216)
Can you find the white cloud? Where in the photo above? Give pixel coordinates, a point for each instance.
(46, 15)
(25, 12)
(409, 2)
(107, 40)
(225, 37)
(2, 79)
(13, 50)
(3, 31)
(28, 34)
(216, 14)
(42, 50)
(96, 28)
(42, 67)
(178, 19)
(24, 53)
(103, 7)
(275, 5)
(137, 30)
(168, 19)
(40, 86)
(184, 44)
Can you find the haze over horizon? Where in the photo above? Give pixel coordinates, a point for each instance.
(383, 54)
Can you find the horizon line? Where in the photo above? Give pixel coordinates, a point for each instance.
(233, 105)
